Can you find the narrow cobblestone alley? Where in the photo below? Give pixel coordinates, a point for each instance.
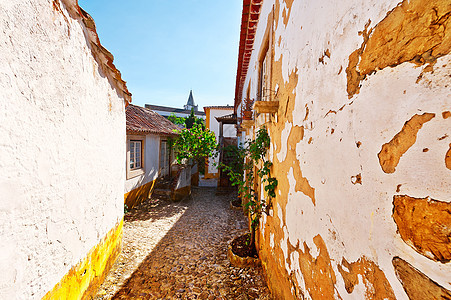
(177, 250)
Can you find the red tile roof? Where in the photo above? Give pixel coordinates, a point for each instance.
(144, 120)
(218, 107)
(103, 57)
(249, 21)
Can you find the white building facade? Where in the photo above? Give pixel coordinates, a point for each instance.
(229, 131)
(360, 142)
(62, 133)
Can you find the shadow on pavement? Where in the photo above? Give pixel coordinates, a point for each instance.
(190, 261)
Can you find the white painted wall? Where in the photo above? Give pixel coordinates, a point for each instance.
(229, 130)
(360, 215)
(184, 179)
(151, 164)
(62, 147)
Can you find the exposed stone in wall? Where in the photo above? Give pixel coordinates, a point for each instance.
(417, 285)
(417, 31)
(391, 152)
(377, 285)
(315, 156)
(448, 158)
(286, 97)
(318, 273)
(424, 224)
(357, 179)
(286, 13)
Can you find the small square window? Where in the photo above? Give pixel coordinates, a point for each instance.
(135, 154)
(136, 145)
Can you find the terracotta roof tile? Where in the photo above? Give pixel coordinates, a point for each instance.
(144, 120)
(103, 57)
(249, 21)
(218, 107)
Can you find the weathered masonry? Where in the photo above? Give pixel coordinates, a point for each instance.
(356, 96)
(62, 152)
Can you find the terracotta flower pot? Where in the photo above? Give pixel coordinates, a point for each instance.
(241, 262)
(247, 115)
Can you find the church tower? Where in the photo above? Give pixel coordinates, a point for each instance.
(190, 104)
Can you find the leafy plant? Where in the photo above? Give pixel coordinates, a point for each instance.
(190, 120)
(251, 163)
(194, 144)
(248, 103)
(187, 122)
(176, 120)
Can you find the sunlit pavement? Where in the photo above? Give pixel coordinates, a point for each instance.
(177, 250)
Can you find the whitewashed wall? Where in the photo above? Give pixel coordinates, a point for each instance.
(339, 137)
(151, 164)
(62, 148)
(228, 131)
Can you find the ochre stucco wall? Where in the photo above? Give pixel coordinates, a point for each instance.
(62, 151)
(360, 146)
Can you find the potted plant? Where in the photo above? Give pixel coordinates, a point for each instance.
(247, 108)
(242, 251)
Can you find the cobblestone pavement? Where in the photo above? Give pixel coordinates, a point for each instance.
(178, 251)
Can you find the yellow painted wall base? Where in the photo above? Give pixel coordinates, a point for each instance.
(181, 193)
(195, 179)
(211, 175)
(136, 196)
(83, 279)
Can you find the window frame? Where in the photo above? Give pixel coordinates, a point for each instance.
(160, 156)
(131, 173)
(265, 60)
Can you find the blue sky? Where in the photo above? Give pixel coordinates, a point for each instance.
(166, 48)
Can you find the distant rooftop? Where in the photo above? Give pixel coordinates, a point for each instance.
(219, 107)
(186, 110)
(173, 109)
(144, 120)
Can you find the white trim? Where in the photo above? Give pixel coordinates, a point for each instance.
(140, 171)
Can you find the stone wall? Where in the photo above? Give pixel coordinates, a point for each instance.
(360, 145)
(62, 151)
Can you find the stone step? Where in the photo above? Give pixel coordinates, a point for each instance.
(162, 192)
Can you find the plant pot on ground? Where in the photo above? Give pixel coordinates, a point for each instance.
(236, 204)
(254, 162)
(241, 252)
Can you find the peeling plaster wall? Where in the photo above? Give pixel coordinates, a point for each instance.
(352, 137)
(62, 147)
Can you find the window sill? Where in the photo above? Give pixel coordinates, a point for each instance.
(262, 107)
(134, 173)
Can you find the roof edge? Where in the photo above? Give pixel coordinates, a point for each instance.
(103, 57)
(249, 20)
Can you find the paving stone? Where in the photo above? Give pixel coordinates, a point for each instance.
(178, 250)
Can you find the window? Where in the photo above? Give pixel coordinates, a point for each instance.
(135, 155)
(164, 158)
(262, 78)
(136, 146)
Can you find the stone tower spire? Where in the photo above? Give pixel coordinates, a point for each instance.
(190, 104)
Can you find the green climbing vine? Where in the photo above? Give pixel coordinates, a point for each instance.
(251, 163)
